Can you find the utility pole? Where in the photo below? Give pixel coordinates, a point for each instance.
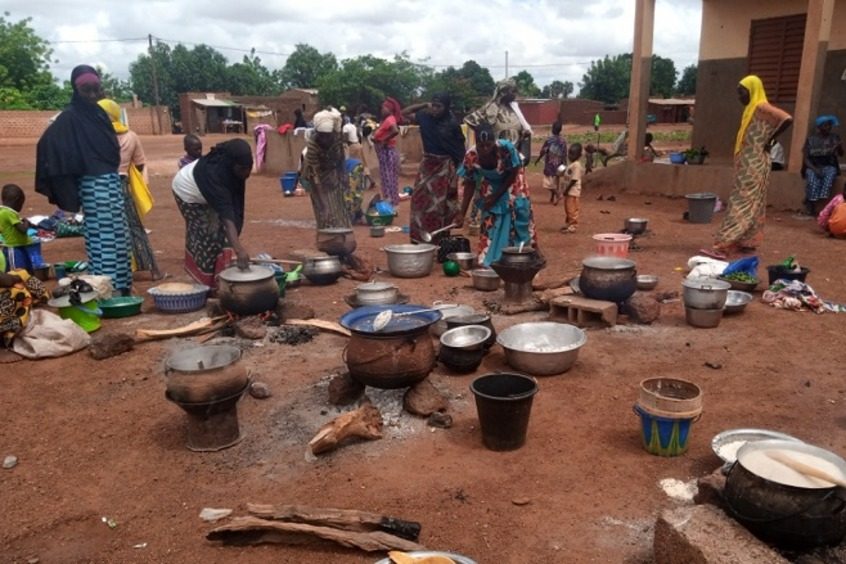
(506, 64)
(155, 83)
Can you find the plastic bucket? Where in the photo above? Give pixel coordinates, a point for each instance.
(288, 182)
(612, 244)
(86, 315)
(777, 271)
(665, 435)
(504, 403)
(700, 207)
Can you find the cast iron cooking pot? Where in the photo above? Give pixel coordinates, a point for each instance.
(788, 516)
(205, 374)
(516, 255)
(336, 240)
(247, 292)
(608, 278)
(400, 355)
(322, 270)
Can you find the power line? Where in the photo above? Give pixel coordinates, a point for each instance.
(239, 49)
(127, 39)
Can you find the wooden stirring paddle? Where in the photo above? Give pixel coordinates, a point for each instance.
(803, 468)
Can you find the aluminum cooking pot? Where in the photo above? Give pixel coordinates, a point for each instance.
(705, 293)
(410, 261)
(322, 270)
(336, 240)
(376, 293)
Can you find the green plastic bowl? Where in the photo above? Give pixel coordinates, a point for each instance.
(376, 219)
(124, 306)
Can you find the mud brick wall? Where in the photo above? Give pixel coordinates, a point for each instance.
(23, 124)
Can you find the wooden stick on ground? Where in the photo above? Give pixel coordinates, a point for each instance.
(252, 530)
(365, 422)
(196, 327)
(346, 519)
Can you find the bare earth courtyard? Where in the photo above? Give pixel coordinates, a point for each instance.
(97, 439)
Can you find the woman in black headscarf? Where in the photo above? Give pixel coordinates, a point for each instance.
(434, 202)
(210, 195)
(77, 162)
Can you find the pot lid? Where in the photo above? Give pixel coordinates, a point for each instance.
(706, 284)
(360, 320)
(727, 444)
(758, 458)
(64, 301)
(608, 263)
(375, 287)
(254, 273)
(335, 230)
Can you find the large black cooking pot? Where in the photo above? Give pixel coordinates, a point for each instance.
(400, 355)
(247, 292)
(608, 278)
(788, 516)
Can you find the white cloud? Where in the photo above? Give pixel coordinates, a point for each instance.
(551, 39)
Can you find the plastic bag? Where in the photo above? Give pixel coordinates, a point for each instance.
(384, 208)
(746, 265)
(140, 191)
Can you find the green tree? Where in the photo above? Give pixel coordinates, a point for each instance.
(115, 88)
(306, 66)
(526, 86)
(251, 77)
(24, 56)
(469, 86)
(687, 82)
(663, 77)
(558, 89)
(367, 80)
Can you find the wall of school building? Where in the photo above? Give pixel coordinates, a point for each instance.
(723, 51)
(23, 124)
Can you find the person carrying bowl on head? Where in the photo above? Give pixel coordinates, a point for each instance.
(77, 160)
(742, 228)
(495, 181)
(210, 194)
(434, 201)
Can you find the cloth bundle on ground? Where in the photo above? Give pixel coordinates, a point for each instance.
(746, 265)
(47, 336)
(705, 267)
(798, 296)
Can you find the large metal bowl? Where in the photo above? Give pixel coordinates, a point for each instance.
(737, 301)
(542, 348)
(467, 261)
(485, 279)
(410, 261)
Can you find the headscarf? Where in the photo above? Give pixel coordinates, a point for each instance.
(113, 111)
(822, 120)
(501, 87)
(757, 96)
(81, 142)
(442, 135)
(215, 176)
(328, 121)
(394, 107)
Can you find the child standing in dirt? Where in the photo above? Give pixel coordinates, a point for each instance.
(193, 146)
(19, 250)
(554, 153)
(573, 188)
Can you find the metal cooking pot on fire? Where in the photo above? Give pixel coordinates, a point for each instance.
(608, 278)
(247, 292)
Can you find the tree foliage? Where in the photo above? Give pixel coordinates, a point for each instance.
(607, 79)
(366, 80)
(687, 82)
(306, 65)
(558, 89)
(25, 79)
(469, 86)
(526, 86)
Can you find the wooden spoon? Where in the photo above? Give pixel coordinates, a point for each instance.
(803, 468)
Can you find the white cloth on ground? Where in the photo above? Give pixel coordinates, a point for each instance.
(47, 336)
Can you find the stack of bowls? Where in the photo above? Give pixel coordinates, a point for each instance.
(463, 348)
(704, 301)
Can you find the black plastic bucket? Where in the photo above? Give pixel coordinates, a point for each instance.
(777, 271)
(504, 403)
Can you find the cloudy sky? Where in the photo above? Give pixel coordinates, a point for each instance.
(552, 39)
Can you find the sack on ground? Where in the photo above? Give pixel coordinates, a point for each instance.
(47, 336)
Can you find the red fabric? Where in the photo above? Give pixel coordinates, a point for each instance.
(285, 128)
(837, 221)
(384, 129)
(395, 108)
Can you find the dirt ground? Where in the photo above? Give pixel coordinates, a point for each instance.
(97, 439)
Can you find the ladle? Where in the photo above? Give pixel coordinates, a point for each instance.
(426, 237)
(384, 318)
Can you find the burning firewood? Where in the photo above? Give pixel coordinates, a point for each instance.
(365, 422)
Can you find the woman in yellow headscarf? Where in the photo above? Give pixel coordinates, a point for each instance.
(742, 229)
(137, 195)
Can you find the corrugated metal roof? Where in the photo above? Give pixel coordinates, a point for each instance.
(214, 103)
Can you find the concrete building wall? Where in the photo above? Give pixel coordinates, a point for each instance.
(723, 51)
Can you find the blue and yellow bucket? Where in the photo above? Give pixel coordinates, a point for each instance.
(665, 434)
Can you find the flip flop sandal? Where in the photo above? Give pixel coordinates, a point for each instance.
(713, 254)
